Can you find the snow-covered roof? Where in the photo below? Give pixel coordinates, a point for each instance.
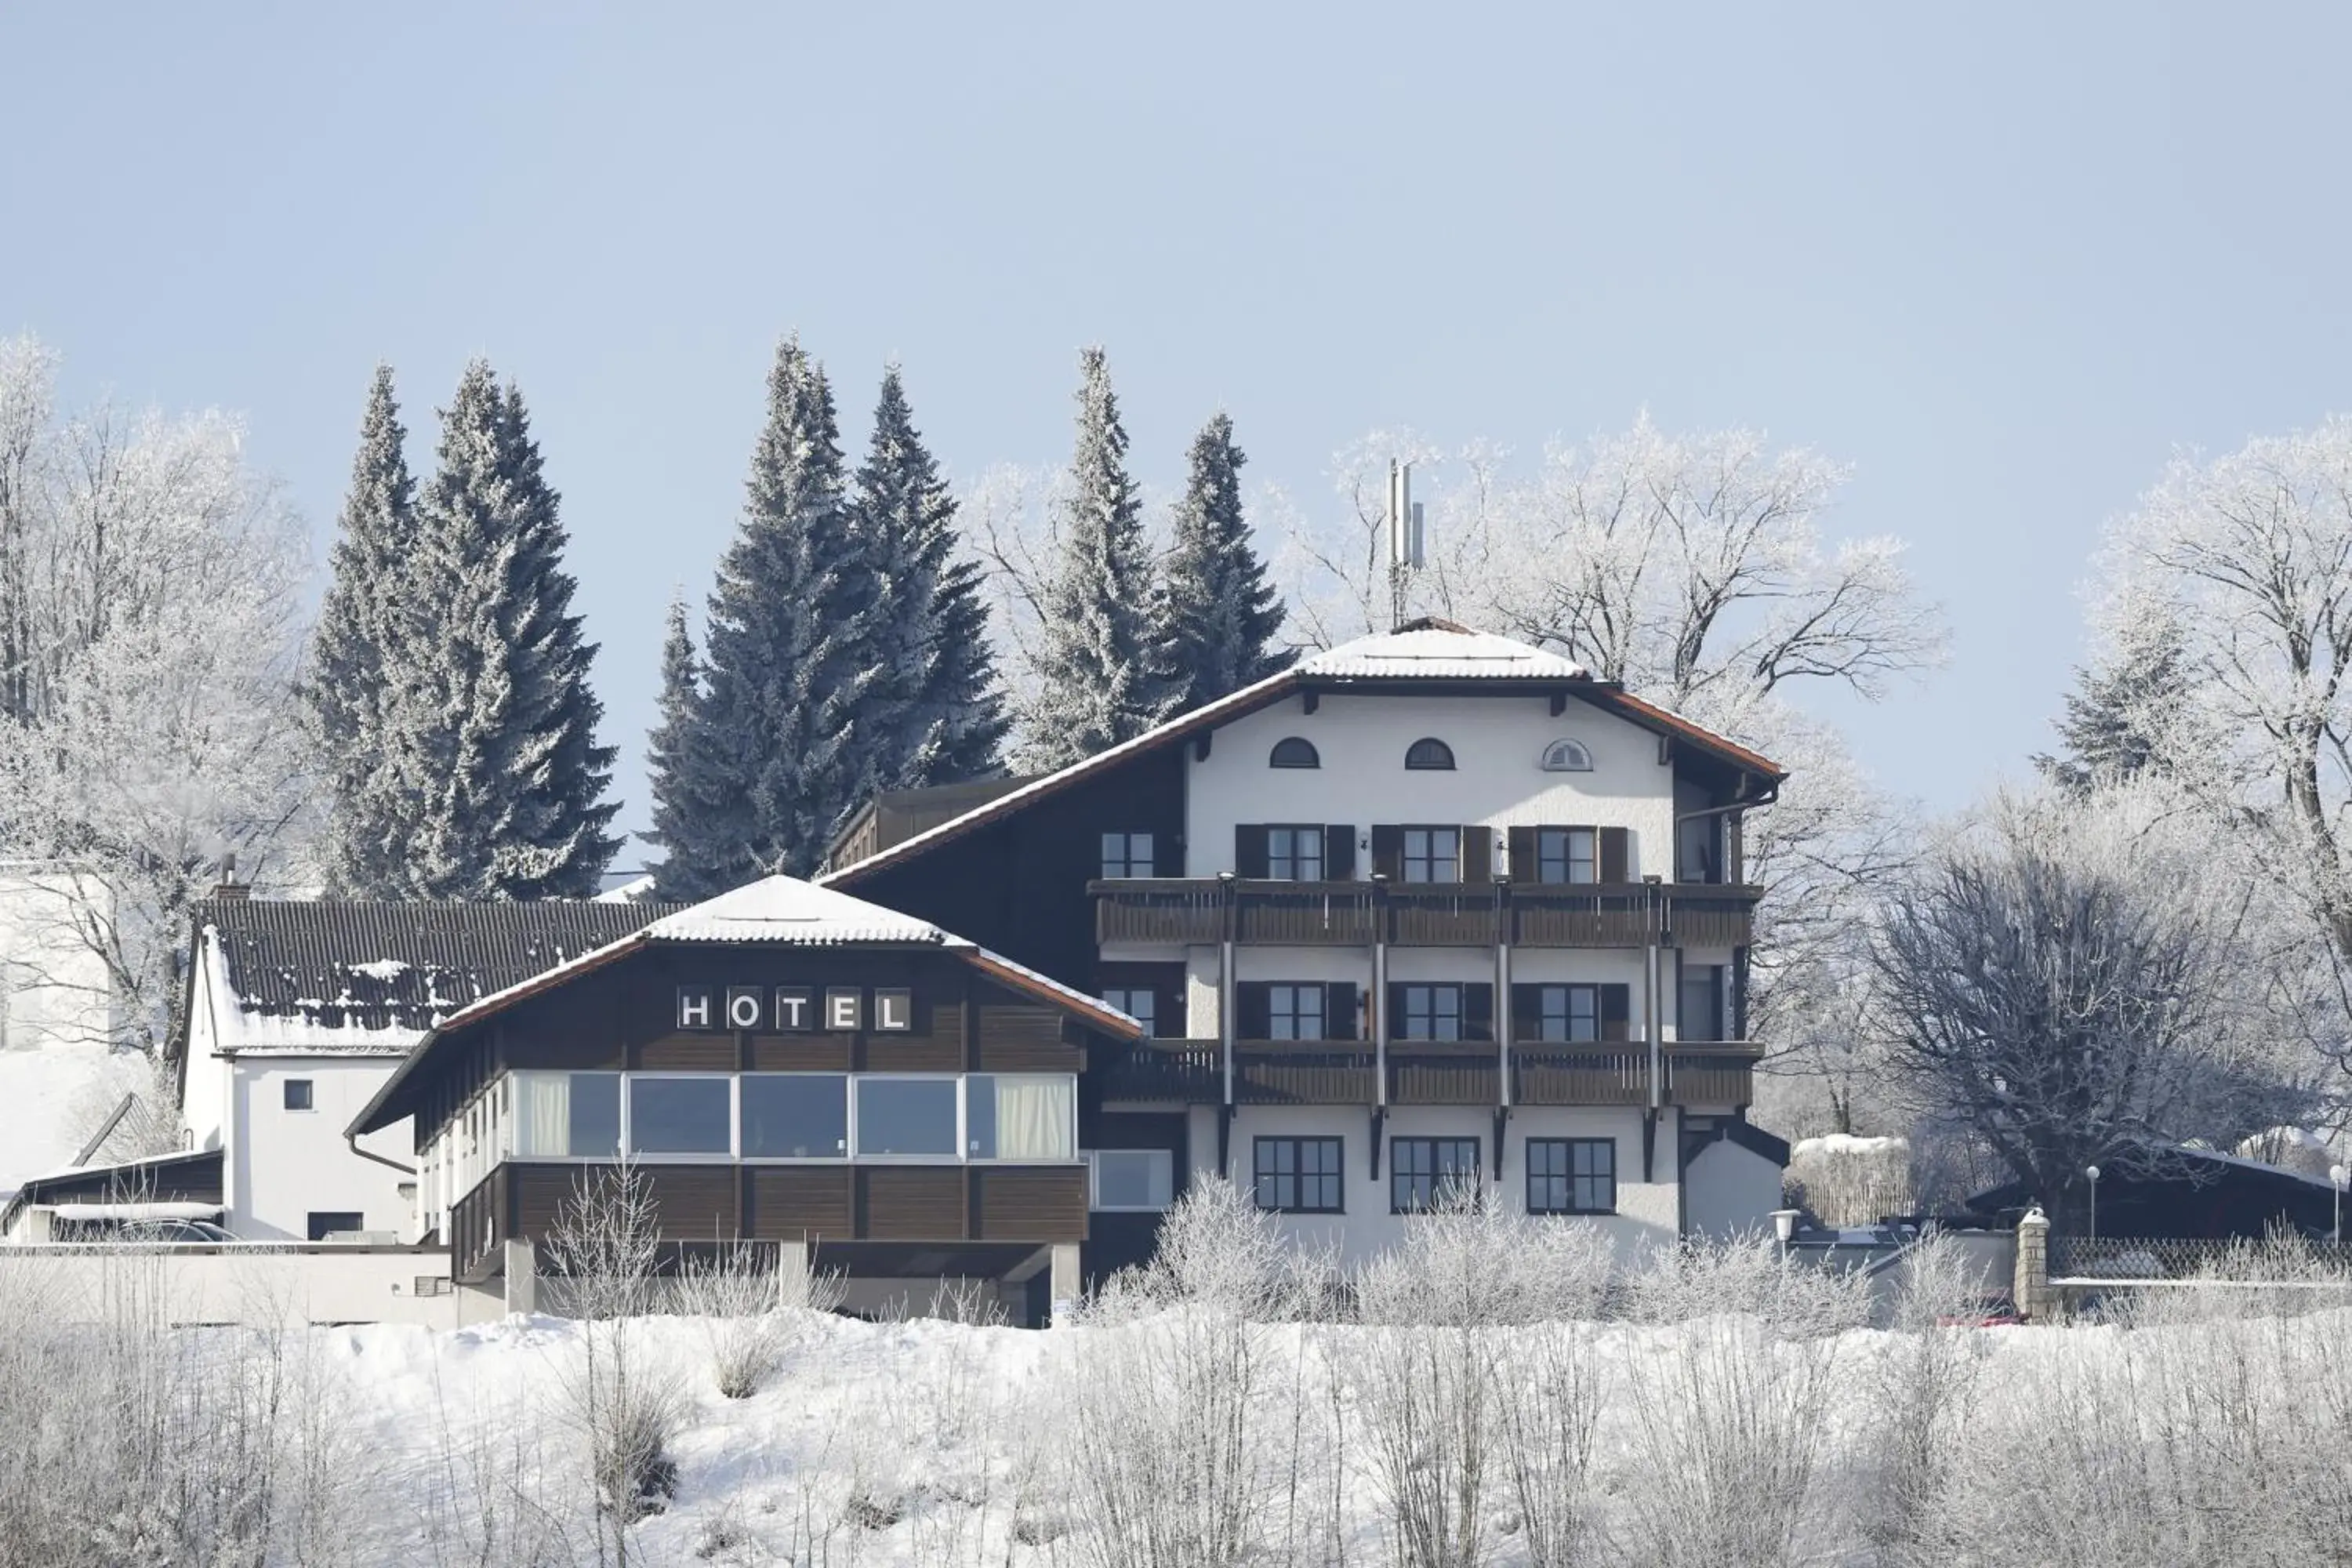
(789, 910)
(1438, 652)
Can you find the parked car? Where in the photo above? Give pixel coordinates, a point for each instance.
(167, 1230)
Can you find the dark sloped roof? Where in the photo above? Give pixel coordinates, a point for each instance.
(379, 965)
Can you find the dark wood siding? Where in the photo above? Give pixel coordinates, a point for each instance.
(686, 1053)
(911, 1203)
(696, 1203)
(1046, 1202)
(796, 1053)
(797, 1203)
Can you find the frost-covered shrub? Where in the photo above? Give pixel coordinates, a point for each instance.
(755, 1306)
(1850, 1181)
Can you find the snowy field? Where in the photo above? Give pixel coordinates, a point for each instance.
(1709, 1411)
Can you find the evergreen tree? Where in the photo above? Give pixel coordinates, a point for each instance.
(2112, 729)
(1219, 614)
(1101, 674)
(938, 716)
(361, 643)
(781, 745)
(672, 761)
(497, 739)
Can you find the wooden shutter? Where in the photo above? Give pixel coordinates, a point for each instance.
(1249, 849)
(1339, 1010)
(1526, 1012)
(1527, 864)
(1252, 1011)
(1616, 853)
(1339, 853)
(1388, 852)
(1616, 1012)
(1478, 1011)
(1477, 853)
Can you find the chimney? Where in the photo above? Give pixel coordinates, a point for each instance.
(230, 889)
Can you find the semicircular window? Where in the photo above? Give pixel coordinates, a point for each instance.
(1294, 752)
(1566, 756)
(1429, 756)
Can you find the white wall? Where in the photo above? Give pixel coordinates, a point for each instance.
(1732, 1191)
(1498, 741)
(284, 1164)
(262, 1287)
(1646, 1211)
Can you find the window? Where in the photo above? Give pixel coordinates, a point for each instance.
(1137, 1002)
(1421, 1169)
(298, 1094)
(1295, 1012)
(1701, 1018)
(1299, 1175)
(794, 1115)
(1294, 854)
(1126, 855)
(1428, 756)
(567, 1115)
(682, 1115)
(1565, 756)
(323, 1223)
(1020, 1116)
(1571, 1175)
(1433, 854)
(1132, 1180)
(1698, 849)
(1431, 1013)
(1568, 854)
(1294, 752)
(1566, 1013)
(906, 1116)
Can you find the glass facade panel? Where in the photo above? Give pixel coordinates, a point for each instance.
(795, 1116)
(682, 1115)
(904, 1116)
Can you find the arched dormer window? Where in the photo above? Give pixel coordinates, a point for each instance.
(1566, 756)
(1294, 752)
(1429, 756)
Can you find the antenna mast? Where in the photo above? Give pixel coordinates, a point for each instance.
(1404, 537)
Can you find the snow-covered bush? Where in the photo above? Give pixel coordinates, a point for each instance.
(755, 1305)
(1850, 1181)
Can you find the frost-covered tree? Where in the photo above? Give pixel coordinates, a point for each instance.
(671, 761)
(495, 742)
(2120, 710)
(363, 641)
(1099, 671)
(150, 624)
(2249, 558)
(1219, 612)
(937, 712)
(781, 739)
(2077, 981)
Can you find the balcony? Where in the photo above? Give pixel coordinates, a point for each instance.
(1184, 912)
(1428, 1072)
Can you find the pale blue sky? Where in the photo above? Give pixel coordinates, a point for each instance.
(2004, 260)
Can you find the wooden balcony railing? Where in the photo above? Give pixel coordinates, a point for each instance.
(1188, 911)
(1423, 1072)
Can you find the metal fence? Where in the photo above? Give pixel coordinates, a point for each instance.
(2278, 1260)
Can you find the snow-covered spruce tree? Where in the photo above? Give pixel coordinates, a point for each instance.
(939, 716)
(1219, 614)
(780, 744)
(494, 738)
(364, 638)
(1100, 671)
(2120, 712)
(672, 761)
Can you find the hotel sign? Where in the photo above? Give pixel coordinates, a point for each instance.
(794, 1009)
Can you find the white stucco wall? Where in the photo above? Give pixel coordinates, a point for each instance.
(263, 1288)
(1732, 1191)
(1497, 743)
(283, 1164)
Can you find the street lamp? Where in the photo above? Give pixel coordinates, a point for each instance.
(2336, 1179)
(2092, 1172)
(1784, 1225)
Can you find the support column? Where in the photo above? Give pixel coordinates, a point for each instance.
(1064, 1280)
(2029, 1287)
(521, 1276)
(791, 1273)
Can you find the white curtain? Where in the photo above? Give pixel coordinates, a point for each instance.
(1037, 1117)
(543, 1114)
